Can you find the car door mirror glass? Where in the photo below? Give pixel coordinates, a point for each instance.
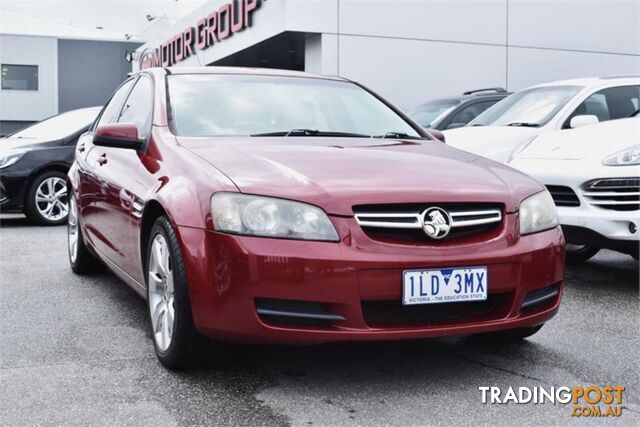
(583, 120)
(117, 135)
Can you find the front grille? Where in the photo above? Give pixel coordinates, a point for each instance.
(563, 196)
(406, 221)
(391, 313)
(620, 194)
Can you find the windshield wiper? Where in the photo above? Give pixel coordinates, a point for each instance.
(397, 135)
(525, 124)
(312, 132)
(635, 113)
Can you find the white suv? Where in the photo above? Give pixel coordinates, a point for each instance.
(593, 174)
(510, 124)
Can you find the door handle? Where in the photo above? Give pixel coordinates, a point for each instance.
(81, 147)
(102, 159)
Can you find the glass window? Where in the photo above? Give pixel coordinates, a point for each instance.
(138, 107)
(111, 111)
(426, 114)
(470, 112)
(19, 77)
(224, 105)
(608, 104)
(529, 107)
(60, 126)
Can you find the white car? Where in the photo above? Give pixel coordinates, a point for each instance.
(500, 130)
(593, 174)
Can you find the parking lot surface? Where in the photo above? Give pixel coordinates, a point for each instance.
(76, 351)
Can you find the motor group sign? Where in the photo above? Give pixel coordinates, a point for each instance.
(220, 24)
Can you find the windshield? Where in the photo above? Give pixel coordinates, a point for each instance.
(60, 126)
(533, 107)
(427, 113)
(229, 105)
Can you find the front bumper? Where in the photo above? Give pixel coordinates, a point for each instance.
(588, 223)
(358, 280)
(13, 187)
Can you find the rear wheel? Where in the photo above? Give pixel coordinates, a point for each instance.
(46, 202)
(80, 259)
(576, 254)
(174, 335)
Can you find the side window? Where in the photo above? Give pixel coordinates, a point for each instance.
(138, 108)
(468, 113)
(609, 104)
(112, 110)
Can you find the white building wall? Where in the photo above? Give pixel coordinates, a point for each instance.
(411, 51)
(23, 105)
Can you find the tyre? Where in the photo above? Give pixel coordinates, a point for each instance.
(577, 254)
(80, 259)
(512, 335)
(46, 202)
(174, 335)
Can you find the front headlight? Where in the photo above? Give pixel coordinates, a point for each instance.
(537, 213)
(628, 157)
(11, 158)
(270, 217)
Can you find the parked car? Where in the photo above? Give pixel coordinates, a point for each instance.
(500, 130)
(34, 163)
(593, 175)
(303, 209)
(456, 111)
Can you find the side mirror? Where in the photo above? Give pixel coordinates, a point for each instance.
(455, 125)
(436, 134)
(583, 120)
(117, 135)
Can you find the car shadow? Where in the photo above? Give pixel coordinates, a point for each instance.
(608, 271)
(14, 221)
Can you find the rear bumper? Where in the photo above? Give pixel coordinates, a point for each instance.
(230, 277)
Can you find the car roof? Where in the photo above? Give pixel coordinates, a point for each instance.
(240, 70)
(475, 96)
(594, 81)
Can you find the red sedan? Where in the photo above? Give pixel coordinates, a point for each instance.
(282, 207)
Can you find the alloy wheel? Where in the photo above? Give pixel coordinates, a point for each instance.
(72, 230)
(161, 292)
(51, 199)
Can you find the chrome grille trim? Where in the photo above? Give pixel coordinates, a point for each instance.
(613, 193)
(415, 220)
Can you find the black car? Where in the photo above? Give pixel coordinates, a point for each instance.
(34, 163)
(457, 111)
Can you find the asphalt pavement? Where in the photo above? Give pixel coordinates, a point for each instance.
(76, 351)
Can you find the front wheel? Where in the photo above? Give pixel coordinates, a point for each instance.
(577, 254)
(174, 335)
(46, 201)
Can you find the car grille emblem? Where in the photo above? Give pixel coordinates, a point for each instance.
(436, 223)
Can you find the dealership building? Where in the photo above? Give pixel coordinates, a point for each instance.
(43, 75)
(409, 51)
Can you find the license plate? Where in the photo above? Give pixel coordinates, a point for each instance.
(444, 285)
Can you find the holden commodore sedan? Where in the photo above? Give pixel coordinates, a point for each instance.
(282, 207)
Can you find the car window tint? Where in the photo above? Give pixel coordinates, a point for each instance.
(137, 108)
(468, 113)
(112, 110)
(608, 104)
